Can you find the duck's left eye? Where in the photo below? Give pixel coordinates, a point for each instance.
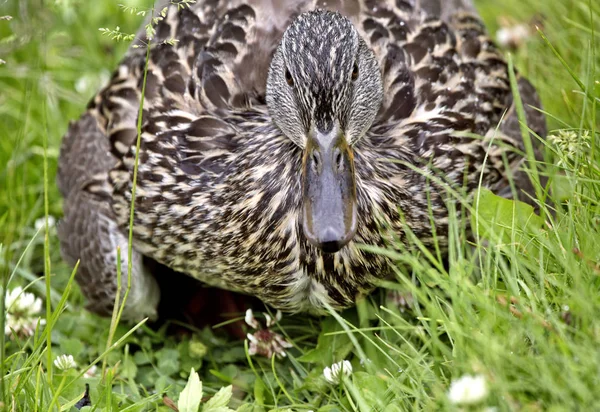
(355, 72)
(288, 77)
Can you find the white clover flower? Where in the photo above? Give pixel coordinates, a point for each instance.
(21, 310)
(21, 302)
(264, 341)
(468, 390)
(337, 371)
(251, 320)
(65, 362)
(90, 372)
(18, 326)
(40, 223)
(270, 321)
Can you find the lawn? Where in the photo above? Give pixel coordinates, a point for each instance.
(517, 310)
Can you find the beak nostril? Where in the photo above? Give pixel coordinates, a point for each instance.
(339, 160)
(315, 160)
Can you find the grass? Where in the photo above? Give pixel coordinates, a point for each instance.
(518, 307)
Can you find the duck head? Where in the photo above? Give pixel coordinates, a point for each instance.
(324, 90)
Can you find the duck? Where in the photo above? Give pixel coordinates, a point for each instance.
(277, 138)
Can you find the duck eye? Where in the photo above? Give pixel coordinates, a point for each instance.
(288, 77)
(355, 72)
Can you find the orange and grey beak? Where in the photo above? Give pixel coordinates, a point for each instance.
(329, 190)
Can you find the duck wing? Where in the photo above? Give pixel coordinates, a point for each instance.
(445, 83)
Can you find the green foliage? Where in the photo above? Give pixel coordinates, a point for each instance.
(191, 396)
(505, 219)
(117, 34)
(516, 303)
(219, 402)
(332, 346)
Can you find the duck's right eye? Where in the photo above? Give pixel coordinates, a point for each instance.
(288, 77)
(355, 72)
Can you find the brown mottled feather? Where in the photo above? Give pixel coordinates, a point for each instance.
(218, 191)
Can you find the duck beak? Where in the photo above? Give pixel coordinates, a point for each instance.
(329, 190)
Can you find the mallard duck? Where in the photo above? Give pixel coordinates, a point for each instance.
(277, 137)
